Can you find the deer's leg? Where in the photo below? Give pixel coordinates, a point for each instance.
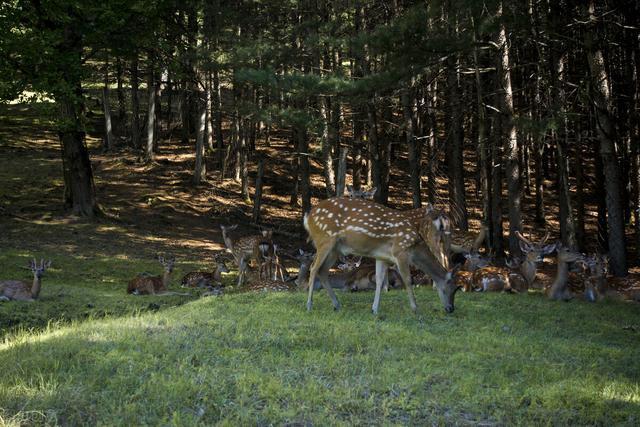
(405, 272)
(323, 276)
(382, 277)
(242, 270)
(322, 253)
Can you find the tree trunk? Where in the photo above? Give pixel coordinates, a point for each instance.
(483, 160)
(327, 160)
(108, 130)
(511, 145)
(151, 117)
(122, 112)
(605, 133)
(342, 172)
(257, 199)
(305, 182)
(413, 147)
(200, 173)
(135, 104)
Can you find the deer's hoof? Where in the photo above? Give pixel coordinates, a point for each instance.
(309, 305)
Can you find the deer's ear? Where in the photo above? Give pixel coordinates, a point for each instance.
(47, 264)
(428, 208)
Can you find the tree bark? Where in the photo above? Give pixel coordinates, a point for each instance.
(200, 173)
(151, 117)
(511, 142)
(605, 132)
(135, 104)
(412, 146)
(108, 130)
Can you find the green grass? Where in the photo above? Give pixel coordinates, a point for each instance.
(249, 359)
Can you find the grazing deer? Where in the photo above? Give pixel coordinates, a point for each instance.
(206, 279)
(361, 194)
(154, 285)
(558, 289)
(342, 226)
(20, 290)
(255, 247)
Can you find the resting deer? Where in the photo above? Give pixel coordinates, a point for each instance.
(361, 194)
(246, 248)
(534, 253)
(558, 289)
(20, 290)
(205, 279)
(154, 285)
(473, 262)
(339, 280)
(361, 227)
(464, 242)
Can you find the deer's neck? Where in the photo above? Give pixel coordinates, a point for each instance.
(528, 270)
(35, 288)
(303, 276)
(560, 282)
(165, 278)
(425, 260)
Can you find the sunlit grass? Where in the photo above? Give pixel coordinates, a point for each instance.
(261, 358)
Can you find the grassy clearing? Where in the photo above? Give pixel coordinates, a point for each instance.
(259, 359)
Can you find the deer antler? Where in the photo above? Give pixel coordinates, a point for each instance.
(524, 239)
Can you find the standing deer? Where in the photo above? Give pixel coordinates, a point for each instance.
(205, 279)
(154, 285)
(343, 226)
(558, 289)
(255, 247)
(20, 290)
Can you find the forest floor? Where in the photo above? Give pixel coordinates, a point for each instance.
(261, 359)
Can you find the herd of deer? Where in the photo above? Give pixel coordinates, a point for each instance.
(397, 240)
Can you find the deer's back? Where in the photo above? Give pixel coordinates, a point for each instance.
(15, 289)
(146, 285)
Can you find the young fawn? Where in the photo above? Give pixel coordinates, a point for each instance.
(343, 226)
(206, 279)
(20, 290)
(154, 285)
(257, 247)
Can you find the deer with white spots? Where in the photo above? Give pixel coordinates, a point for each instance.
(343, 226)
(154, 285)
(257, 247)
(19, 290)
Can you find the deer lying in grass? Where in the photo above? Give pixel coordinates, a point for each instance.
(206, 279)
(339, 280)
(517, 276)
(464, 276)
(154, 285)
(256, 247)
(19, 290)
(343, 226)
(361, 194)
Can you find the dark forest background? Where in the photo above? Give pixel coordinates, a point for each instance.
(525, 112)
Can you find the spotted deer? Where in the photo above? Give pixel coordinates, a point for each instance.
(340, 280)
(19, 290)
(154, 285)
(205, 279)
(558, 289)
(473, 262)
(342, 226)
(463, 242)
(361, 194)
(271, 265)
(256, 247)
(595, 277)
